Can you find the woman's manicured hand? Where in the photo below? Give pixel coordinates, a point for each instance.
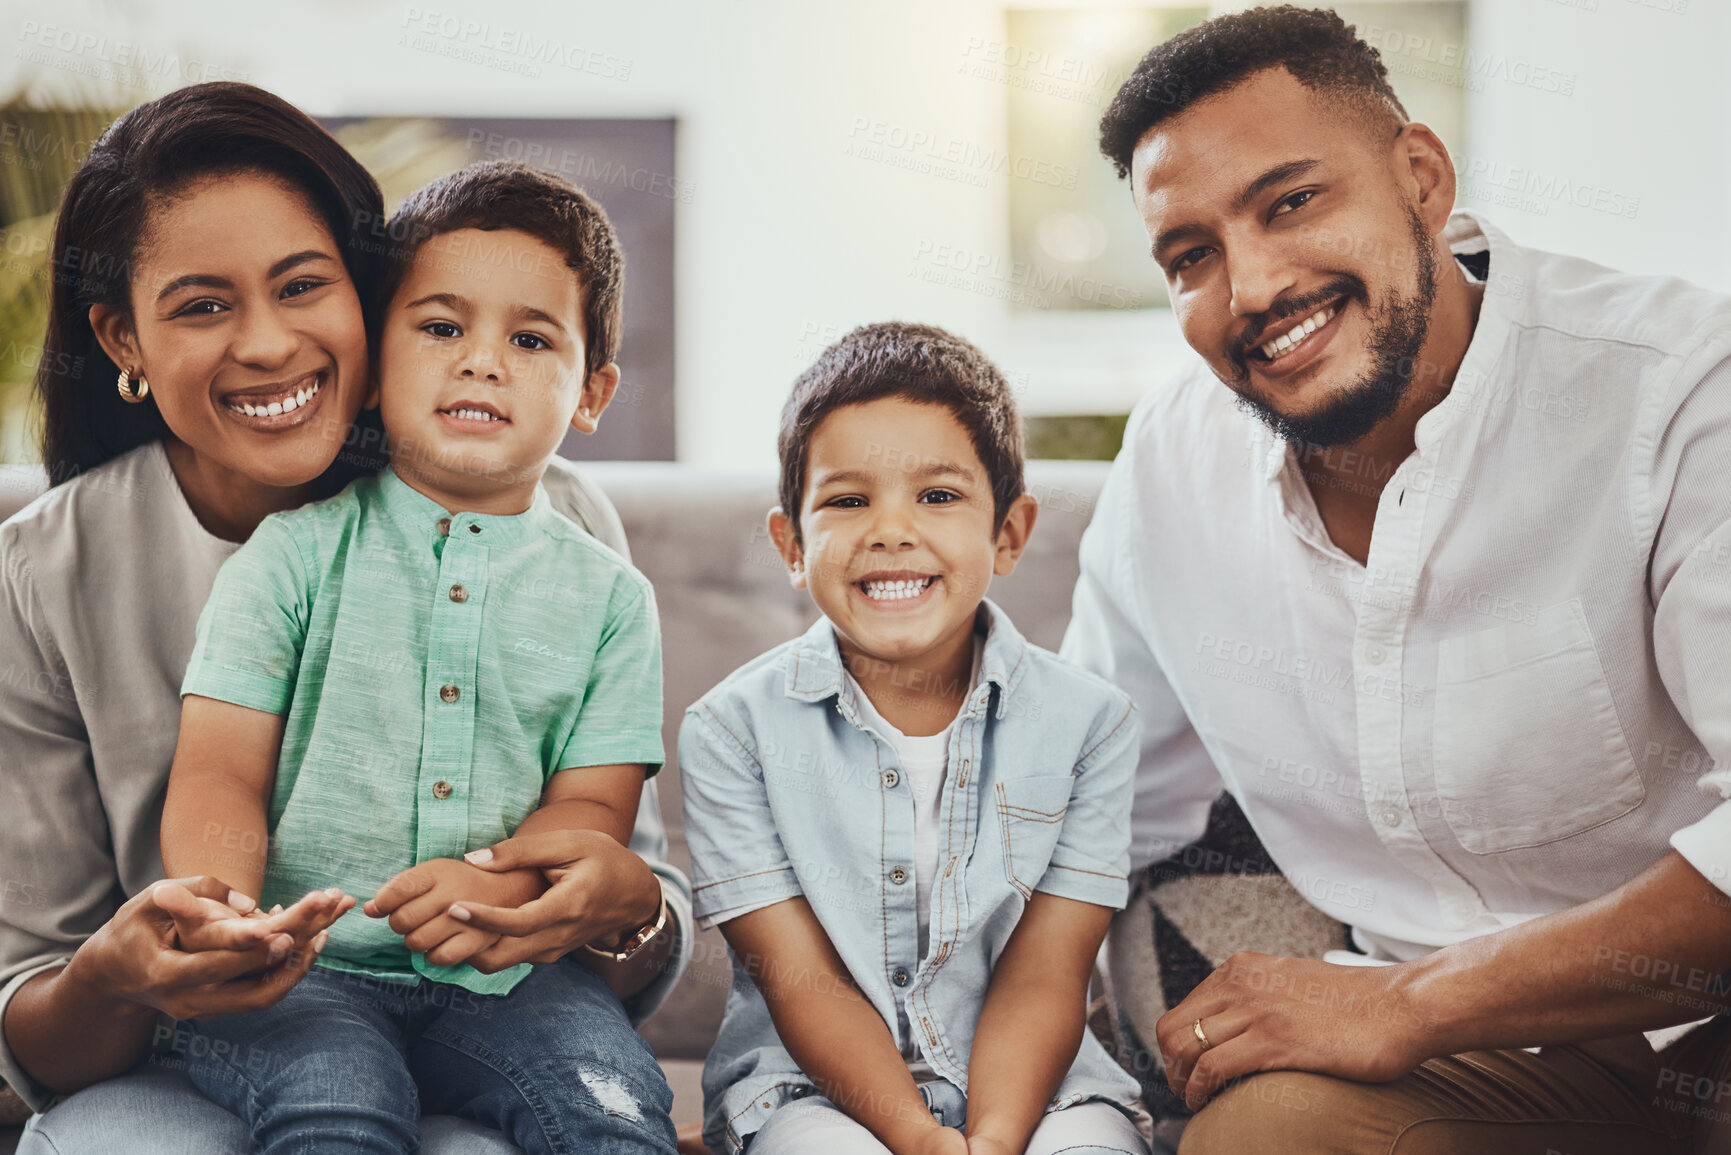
(418, 903)
(600, 892)
(179, 947)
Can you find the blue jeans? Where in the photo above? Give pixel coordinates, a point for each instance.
(154, 1110)
(346, 1063)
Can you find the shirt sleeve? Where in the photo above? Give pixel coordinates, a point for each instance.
(1176, 781)
(1692, 598)
(1091, 862)
(58, 879)
(737, 858)
(252, 630)
(620, 718)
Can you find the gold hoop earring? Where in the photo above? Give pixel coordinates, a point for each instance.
(126, 393)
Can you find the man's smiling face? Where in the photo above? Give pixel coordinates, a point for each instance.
(1291, 237)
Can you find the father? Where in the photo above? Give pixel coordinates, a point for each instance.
(1439, 589)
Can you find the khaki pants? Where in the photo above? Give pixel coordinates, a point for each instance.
(1610, 1097)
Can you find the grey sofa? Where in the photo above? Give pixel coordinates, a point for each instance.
(700, 537)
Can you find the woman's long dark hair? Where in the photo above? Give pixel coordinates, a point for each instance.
(152, 151)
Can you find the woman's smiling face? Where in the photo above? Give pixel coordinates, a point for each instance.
(248, 328)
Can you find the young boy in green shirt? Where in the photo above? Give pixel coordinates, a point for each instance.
(423, 665)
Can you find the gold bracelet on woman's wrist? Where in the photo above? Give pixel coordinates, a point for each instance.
(640, 939)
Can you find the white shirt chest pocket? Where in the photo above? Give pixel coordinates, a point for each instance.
(1527, 747)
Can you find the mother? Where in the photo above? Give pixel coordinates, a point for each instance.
(102, 579)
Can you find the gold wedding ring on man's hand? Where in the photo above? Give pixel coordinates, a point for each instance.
(1196, 1029)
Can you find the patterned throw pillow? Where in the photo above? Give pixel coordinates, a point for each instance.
(12, 1108)
(1188, 914)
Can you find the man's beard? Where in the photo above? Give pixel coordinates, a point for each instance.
(1398, 331)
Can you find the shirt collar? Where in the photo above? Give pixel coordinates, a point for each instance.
(417, 512)
(814, 666)
(1502, 299)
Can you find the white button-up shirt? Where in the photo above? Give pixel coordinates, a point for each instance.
(1523, 698)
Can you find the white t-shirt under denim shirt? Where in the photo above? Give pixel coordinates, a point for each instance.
(1520, 702)
(101, 582)
(925, 760)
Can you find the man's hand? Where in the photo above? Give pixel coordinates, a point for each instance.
(1263, 1013)
(418, 901)
(984, 1145)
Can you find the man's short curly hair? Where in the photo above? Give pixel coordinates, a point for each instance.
(1317, 47)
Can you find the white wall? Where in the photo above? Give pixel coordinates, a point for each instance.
(789, 240)
(1649, 120)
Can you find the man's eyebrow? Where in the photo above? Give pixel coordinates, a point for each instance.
(530, 313)
(1279, 174)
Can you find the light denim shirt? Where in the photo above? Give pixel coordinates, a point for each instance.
(788, 792)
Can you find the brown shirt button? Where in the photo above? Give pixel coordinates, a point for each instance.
(445, 526)
(441, 790)
(449, 693)
(459, 594)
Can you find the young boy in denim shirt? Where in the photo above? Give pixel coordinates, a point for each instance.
(390, 679)
(911, 825)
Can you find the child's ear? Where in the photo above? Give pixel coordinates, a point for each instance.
(114, 333)
(1013, 537)
(597, 395)
(371, 401)
(781, 533)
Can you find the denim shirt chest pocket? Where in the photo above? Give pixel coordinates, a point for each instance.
(1029, 812)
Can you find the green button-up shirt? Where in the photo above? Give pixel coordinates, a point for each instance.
(436, 670)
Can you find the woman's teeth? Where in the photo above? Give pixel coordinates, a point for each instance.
(1292, 339)
(473, 414)
(287, 405)
(897, 590)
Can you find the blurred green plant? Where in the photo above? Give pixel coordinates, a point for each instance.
(39, 151)
(1093, 438)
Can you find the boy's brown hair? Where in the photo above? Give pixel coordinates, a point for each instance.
(919, 363)
(501, 194)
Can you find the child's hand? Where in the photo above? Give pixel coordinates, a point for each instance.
(980, 1145)
(418, 902)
